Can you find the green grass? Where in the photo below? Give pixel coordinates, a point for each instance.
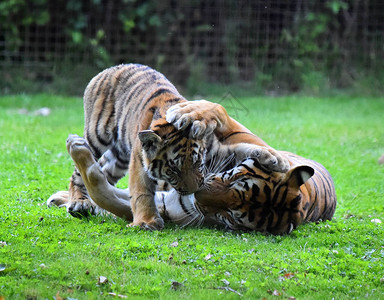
(46, 253)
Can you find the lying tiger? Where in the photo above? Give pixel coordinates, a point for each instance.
(126, 130)
(258, 193)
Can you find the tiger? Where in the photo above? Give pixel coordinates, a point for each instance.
(246, 197)
(127, 131)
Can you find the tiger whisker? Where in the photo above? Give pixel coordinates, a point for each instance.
(190, 222)
(188, 219)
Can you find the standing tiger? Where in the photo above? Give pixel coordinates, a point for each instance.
(126, 130)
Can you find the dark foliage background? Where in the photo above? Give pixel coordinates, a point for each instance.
(273, 46)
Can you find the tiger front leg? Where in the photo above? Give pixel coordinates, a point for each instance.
(142, 191)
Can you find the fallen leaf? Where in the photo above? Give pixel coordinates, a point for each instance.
(289, 275)
(117, 295)
(227, 288)
(225, 281)
(176, 285)
(22, 111)
(209, 256)
(102, 280)
(57, 297)
(44, 111)
(274, 293)
(377, 221)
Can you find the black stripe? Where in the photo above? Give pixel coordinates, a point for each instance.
(248, 169)
(113, 178)
(107, 93)
(209, 146)
(283, 198)
(251, 214)
(324, 208)
(101, 78)
(234, 133)
(267, 191)
(177, 148)
(255, 193)
(156, 94)
(116, 153)
(270, 224)
(95, 150)
(162, 125)
(295, 202)
(111, 115)
(122, 166)
(183, 206)
(257, 165)
(173, 100)
(262, 218)
(314, 203)
(75, 182)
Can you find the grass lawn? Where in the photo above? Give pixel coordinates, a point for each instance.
(45, 253)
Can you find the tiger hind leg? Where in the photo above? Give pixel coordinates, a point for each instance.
(80, 203)
(96, 182)
(76, 200)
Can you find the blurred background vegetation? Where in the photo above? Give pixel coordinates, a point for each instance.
(268, 47)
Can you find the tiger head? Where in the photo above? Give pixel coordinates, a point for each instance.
(248, 197)
(175, 158)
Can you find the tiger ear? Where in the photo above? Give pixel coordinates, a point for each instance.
(299, 175)
(150, 142)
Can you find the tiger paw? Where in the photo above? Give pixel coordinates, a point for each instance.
(80, 152)
(151, 225)
(58, 199)
(203, 117)
(82, 208)
(271, 159)
(76, 208)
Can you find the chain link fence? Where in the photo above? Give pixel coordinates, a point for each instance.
(265, 44)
